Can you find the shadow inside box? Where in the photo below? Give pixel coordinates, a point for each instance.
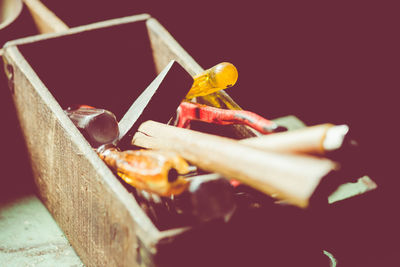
(264, 236)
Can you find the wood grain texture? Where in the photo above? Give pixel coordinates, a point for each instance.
(292, 178)
(46, 21)
(97, 214)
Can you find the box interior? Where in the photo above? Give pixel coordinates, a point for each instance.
(105, 68)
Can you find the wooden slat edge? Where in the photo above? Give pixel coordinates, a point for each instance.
(88, 27)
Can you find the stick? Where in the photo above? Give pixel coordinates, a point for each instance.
(316, 140)
(292, 178)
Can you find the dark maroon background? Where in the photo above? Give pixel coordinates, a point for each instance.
(323, 61)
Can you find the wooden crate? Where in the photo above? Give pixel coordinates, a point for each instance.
(153, 246)
(100, 63)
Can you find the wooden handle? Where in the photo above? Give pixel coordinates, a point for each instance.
(292, 178)
(312, 140)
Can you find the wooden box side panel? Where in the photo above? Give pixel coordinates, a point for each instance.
(86, 206)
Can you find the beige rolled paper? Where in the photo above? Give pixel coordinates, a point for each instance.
(315, 140)
(288, 177)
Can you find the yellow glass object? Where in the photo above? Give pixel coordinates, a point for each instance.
(219, 77)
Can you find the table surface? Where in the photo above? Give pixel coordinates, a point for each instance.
(30, 237)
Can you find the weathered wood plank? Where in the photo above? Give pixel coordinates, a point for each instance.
(97, 214)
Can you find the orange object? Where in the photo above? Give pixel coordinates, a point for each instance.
(154, 171)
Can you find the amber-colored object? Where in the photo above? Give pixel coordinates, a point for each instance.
(219, 77)
(154, 171)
